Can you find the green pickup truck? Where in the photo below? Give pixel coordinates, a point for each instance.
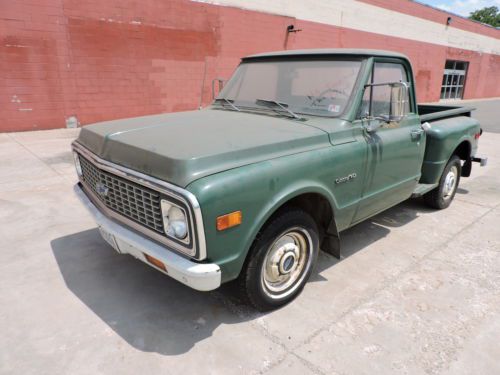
(297, 147)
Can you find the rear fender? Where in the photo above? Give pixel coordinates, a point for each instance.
(442, 141)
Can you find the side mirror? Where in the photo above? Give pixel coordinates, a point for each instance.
(397, 105)
(399, 101)
(220, 84)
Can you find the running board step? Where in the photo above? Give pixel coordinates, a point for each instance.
(421, 189)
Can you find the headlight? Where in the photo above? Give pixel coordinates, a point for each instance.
(77, 164)
(174, 220)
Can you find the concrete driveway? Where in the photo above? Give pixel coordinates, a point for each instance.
(417, 291)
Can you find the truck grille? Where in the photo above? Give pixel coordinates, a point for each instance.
(136, 202)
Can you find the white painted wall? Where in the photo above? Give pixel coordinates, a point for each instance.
(365, 17)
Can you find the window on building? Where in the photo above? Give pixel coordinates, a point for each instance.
(455, 73)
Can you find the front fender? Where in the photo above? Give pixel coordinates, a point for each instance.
(276, 201)
(258, 190)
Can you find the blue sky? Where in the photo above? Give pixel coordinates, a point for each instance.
(461, 7)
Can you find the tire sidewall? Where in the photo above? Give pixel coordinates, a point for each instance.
(274, 229)
(454, 161)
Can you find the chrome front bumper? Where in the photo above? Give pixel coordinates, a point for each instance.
(199, 276)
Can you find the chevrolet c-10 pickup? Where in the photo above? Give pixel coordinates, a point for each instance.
(296, 147)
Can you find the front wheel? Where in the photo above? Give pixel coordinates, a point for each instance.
(281, 260)
(444, 193)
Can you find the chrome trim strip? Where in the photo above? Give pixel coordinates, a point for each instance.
(157, 185)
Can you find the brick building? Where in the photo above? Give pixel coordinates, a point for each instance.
(107, 59)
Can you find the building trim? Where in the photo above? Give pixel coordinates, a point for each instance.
(373, 19)
(431, 13)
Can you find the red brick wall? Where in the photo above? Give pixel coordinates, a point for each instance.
(108, 59)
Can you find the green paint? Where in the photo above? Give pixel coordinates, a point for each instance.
(257, 161)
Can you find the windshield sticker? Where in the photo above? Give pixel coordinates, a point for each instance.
(334, 108)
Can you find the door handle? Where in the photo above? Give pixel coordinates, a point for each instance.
(416, 134)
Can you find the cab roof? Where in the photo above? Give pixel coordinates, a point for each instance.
(326, 52)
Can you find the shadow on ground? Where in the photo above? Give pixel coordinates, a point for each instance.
(369, 231)
(154, 313)
(148, 310)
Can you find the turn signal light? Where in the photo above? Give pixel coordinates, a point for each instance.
(155, 262)
(229, 220)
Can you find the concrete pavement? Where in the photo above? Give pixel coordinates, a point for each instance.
(416, 293)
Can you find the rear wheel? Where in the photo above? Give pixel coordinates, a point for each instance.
(281, 260)
(444, 193)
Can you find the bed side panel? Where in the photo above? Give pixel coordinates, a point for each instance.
(442, 140)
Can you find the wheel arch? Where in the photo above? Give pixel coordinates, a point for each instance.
(464, 152)
(307, 198)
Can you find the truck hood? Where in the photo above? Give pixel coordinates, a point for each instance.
(182, 147)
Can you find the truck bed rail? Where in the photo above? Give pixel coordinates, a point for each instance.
(433, 112)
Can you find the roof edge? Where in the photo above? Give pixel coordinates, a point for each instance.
(327, 51)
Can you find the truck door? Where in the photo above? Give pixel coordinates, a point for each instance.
(395, 150)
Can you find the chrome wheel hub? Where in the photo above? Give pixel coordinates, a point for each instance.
(283, 260)
(450, 182)
(285, 263)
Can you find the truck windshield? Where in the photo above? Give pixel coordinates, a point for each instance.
(314, 87)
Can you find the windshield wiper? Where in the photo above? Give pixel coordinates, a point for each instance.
(273, 104)
(227, 101)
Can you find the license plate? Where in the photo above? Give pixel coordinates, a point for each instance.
(109, 238)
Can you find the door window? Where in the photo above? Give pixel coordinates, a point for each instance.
(381, 95)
